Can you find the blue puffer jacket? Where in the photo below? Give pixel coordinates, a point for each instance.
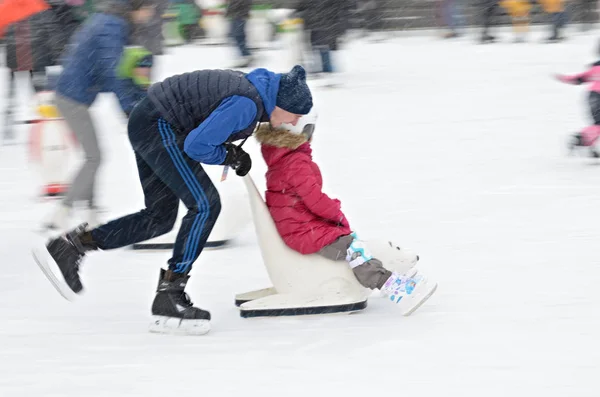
(90, 65)
(235, 118)
(210, 107)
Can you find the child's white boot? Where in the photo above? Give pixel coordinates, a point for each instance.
(409, 293)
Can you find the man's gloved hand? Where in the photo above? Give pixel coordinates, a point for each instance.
(237, 159)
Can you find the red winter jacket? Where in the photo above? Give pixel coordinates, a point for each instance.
(306, 218)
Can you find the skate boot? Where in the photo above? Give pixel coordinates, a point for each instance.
(61, 257)
(409, 293)
(172, 310)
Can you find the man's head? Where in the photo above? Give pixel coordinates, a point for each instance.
(293, 98)
(142, 11)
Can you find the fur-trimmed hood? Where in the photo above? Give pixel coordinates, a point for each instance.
(267, 135)
(276, 143)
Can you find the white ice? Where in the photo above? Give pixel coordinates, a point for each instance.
(452, 149)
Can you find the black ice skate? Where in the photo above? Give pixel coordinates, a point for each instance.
(61, 257)
(172, 310)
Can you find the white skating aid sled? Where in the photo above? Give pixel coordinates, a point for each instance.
(307, 284)
(233, 218)
(50, 146)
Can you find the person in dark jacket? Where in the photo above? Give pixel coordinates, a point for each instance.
(90, 67)
(35, 44)
(185, 120)
(326, 21)
(238, 11)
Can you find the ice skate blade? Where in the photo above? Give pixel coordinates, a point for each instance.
(52, 272)
(178, 326)
(428, 291)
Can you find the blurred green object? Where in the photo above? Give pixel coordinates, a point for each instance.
(133, 57)
(181, 23)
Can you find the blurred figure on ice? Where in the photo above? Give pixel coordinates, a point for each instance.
(589, 136)
(96, 62)
(371, 14)
(35, 44)
(238, 11)
(519, 14)
(185, 121)
(558, 14)
(588, 16)
(311, 222)
(488, 12)
(150, 35)
(450, 16)
(325, 22)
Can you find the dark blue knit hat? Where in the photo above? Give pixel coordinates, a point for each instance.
(294, 95)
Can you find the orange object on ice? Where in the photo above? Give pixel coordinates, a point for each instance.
(12, 11)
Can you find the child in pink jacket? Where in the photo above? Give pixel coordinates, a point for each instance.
(589, 135)
(311, 222)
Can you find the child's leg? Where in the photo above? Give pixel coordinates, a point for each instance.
(408, 292)
(369, 271)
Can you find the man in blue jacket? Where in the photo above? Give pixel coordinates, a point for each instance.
(91, 67)
(186, 120)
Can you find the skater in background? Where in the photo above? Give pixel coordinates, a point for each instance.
(34, 45)
(238, 11)
(185, 121)
(149, 35)
(325, 21)
(589, 135)
(91, 66)
(311, 222)
(449, 14)
(588, 16)
(519, 14)
(558, 14)
(489, 11)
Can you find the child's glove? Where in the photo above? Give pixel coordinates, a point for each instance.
(237, 159)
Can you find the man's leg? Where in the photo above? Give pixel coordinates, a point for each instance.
(188, 180)
(156, 219)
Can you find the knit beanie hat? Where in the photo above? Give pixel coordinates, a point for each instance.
(294, 95)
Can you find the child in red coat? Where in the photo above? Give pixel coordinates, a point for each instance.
(311, 222)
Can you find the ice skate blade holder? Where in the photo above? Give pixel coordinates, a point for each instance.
(302, 284)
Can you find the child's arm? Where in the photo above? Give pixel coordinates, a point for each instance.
(306, 187)
(580, 78)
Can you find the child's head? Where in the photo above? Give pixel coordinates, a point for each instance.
(288, 135)
(142, 11)
(305, 125)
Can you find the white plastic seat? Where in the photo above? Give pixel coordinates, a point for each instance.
(301, 284)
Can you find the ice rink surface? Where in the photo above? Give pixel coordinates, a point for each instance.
(452, 149)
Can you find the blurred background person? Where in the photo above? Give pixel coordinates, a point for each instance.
(33, 45)
(325, 22)
(238, 11)
(587, 13)
(98, 61)
(150, 35)
(519, 14)
(449, 15)
(489, 9)
(558, 16)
